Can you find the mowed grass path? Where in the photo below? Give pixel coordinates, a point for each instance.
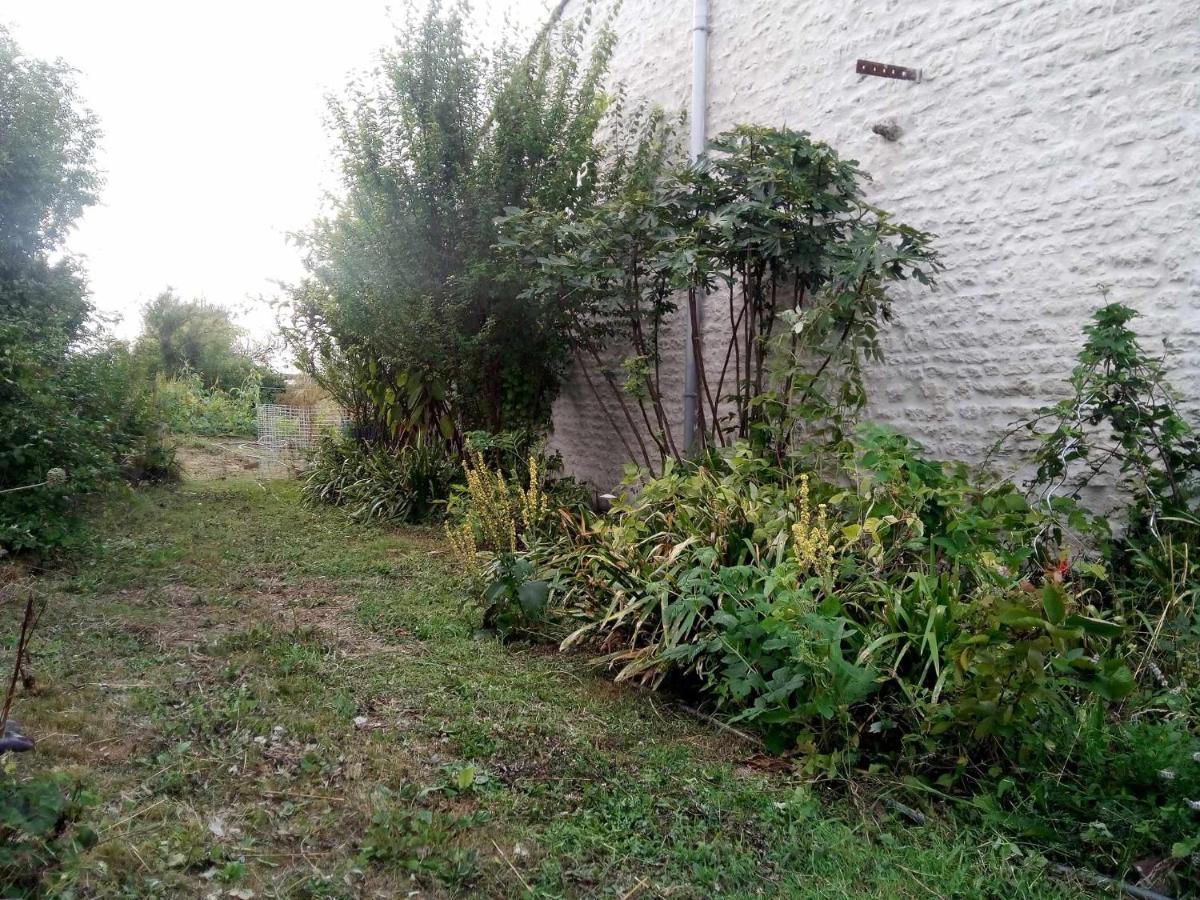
(270, 701)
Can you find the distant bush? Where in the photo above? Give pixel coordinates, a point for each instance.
(181, 338)
(188, 407)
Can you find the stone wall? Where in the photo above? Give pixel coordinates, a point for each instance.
(1052, 146)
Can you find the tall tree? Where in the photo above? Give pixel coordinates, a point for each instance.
(408, 312)
(48, 177)
(68, 412)
(181, 335)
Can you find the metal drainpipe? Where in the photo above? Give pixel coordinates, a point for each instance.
(696, 148)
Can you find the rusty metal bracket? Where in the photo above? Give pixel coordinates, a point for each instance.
(883, 70)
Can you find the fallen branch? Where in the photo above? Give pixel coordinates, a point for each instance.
(1104, 881)
(511, 866)
(724, 726)
(28, 620)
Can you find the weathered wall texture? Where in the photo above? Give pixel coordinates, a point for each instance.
(1053, 145)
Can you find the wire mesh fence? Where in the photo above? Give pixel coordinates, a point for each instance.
(288, 434)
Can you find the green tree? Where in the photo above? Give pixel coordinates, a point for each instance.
(181, 336)
(70, 410)
(48, 177)
(47, 153)
(774, 223)
(408, 314)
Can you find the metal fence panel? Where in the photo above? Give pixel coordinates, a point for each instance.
(288, 434)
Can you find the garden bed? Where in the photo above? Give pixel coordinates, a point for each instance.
(260, 698)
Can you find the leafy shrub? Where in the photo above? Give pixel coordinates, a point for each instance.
(439, 140)
(404, 484)
(496, 515)
(861, 602)
(74, 423)
(152, 460)
(772, 219)
(894, 611)
(40, 828)
(184, 337)
(188, 407)
(888, 612)
(514, 599)
(1122, 414)
(1116, 792)
(1123, 419)
(72, 403)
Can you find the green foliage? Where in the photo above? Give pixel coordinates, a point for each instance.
(72, 419)
(771, 218)
(73, 406)
(186, 338)
(48, 174)
(1123, 419)
(514, 600)
(863, 604)
(499, 513)
(408, 316)
(408, 832)
(40, 829)
(1130, 779)
(153, 459)
(1112, 791)
(896, 612)
(186, 406)
(378, 482)
(1122, 410)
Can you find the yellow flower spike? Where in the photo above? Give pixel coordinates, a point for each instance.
(463, 548)
(811, 538)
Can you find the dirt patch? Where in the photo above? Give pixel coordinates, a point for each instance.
(218, 459)
(317, 603)
(186, 618)
(178, 616)
(13, 572)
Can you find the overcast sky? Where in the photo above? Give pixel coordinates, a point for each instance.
(214, 143)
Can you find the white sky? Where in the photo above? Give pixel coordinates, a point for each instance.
(214, 142)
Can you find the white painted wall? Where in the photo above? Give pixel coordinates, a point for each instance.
(1053, 145)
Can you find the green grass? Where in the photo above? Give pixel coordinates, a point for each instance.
(266, 698)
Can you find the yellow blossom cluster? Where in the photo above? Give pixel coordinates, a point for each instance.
(812, 541)
(496, 512)
(463, 548)
(491, 505)
(533, 500)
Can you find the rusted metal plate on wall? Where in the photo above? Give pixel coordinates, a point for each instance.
(884, 70)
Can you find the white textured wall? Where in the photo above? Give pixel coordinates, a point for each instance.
(1052, 146)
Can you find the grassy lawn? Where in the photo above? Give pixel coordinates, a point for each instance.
(267, 700)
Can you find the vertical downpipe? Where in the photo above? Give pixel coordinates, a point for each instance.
(696, 147)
